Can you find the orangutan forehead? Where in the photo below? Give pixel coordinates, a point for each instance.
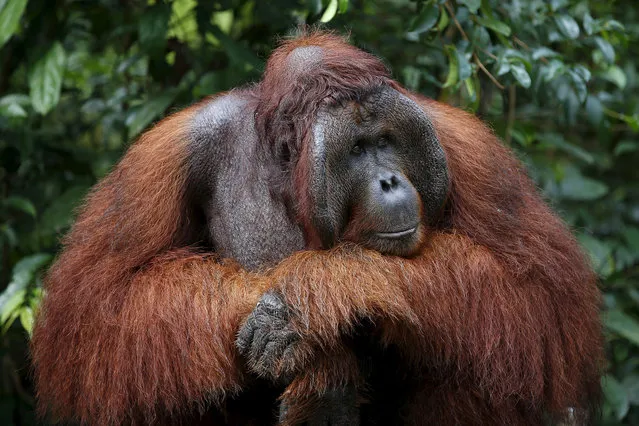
(364, 101)
(303, 58)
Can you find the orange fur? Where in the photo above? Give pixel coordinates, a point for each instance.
(132, 325)
(497, 315)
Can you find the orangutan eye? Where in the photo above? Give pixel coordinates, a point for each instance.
(357, 149)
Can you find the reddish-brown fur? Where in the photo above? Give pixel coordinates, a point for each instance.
(498, 313)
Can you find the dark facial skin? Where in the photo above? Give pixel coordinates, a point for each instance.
(378, 177)
(380, 173)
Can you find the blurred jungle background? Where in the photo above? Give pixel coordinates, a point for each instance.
(556, 79)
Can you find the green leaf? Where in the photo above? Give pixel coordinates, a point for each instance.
(10, 235)
(606, 48)
(521, 75)
(558, 141)
(495, 25)
(552, 70)
(465, 69)
(426, 20)
(579, 76)
(626, 146)
(453, 66)
(330, 12)
(10, 15)
(58, 216)
(567, 26)
(544, 52)
(22, 204)
(615, 75)
(600, 254)
(9, 306)
(613, 25)
(238, 53)
(589, 24)
(470, 88)
(574, 186)
(15, 98)
(583, 189)
(45, 81)
(141, 116)
(153, 28)
(582, 72)
(622, 324)
(472, 5)
(616, 396)
(594, 109)
(27, 319)
(443, 20)
(631, 384)
(13, 111)
(13, 106)
(23, 273)
(480, 37)
(343, 6)
(315, 6)
(631, 235)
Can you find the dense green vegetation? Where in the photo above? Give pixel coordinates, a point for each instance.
(556, 79)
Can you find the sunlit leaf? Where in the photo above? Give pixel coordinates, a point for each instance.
(13, 111)
(453, 66)
(521, 75)
(23, 273)
(45, 81)
(443, 20)
(27, 319)
(10, 15)
(330, 12)
(568, 26)
(15, 98)
(606, 48)
(615, 75)
(544, 52)
(9, 305)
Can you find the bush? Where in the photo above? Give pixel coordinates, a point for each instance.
(556, 79)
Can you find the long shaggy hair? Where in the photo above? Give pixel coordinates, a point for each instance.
(498, 313)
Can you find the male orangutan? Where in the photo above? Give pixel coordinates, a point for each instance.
(323, 247)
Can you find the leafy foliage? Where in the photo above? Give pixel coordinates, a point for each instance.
(556, 79)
